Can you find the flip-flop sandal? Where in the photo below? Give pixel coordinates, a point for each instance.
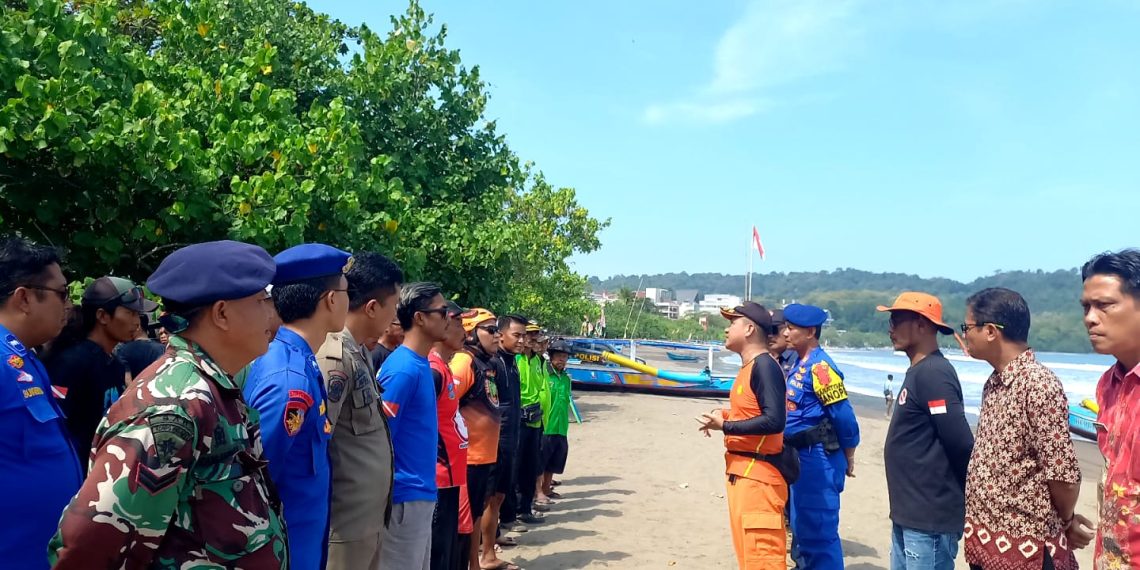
(503, 565)
(555, 483)
(506, 541)
(553, 495)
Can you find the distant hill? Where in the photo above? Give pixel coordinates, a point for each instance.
(851, 296)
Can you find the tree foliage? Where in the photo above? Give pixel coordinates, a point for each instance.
(131, 127)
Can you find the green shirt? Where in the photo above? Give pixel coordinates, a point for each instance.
(558, 416)
(532, 381)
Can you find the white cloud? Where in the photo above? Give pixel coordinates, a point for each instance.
(710, 112)
(775, 43)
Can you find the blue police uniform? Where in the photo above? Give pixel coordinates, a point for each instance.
(39, 470)
(286, 387)
(816, 393)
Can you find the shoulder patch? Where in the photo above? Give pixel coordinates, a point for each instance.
(171, 433)
(301, 397)
(294, 418)
(337, 383)
(828, 384)
(154, 481)
(15, 361)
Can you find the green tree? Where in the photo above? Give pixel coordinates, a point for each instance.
(132, 127)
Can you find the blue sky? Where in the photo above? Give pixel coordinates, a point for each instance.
(938, 138)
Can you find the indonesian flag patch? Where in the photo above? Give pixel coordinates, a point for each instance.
(391, 409)
(937, 407)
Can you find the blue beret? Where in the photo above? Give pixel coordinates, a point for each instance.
(213, 271)
(805, 315)
(310, 261)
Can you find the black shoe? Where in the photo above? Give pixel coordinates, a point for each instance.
(532, 519)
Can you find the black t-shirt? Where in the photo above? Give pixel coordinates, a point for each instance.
(928, 449)
(90, 380)
(139, 354)
(379, 354)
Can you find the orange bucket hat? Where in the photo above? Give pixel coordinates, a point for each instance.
(924, 304)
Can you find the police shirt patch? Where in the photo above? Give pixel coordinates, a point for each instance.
(294, 418)
(171, 433)
(24, 377)
(15, 362)
(337, 385)
(828, 384)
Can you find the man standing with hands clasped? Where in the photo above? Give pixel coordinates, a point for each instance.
(754, 442)
(928, 443)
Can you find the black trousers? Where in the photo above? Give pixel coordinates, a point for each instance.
(530, 466)
(445, 550)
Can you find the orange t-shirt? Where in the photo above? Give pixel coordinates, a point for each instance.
(482, 423)
(743, 405)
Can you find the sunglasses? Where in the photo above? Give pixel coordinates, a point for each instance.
(440, 311)
(490, 329)
(965, 327)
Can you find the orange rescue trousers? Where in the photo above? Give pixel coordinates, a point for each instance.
(756, 515)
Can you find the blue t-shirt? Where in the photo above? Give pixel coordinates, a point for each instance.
(409, 403)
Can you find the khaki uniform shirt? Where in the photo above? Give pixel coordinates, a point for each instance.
(361, 447)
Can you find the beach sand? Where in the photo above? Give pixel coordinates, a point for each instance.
(644, 489)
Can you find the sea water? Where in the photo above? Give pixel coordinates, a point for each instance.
(865, 371)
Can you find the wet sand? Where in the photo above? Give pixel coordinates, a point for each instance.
(644, 489)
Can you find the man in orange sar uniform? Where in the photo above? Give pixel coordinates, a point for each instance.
(753, 437)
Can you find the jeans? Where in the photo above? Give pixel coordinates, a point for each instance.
(920, 550)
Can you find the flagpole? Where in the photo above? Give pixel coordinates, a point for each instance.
(748, 297)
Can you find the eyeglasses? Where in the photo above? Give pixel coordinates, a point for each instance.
(61, 293)
(967, 326)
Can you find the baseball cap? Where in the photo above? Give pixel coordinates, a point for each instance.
(112, 292)
(922, 303)
(755, 313)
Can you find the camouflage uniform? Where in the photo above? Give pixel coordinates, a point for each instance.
(177, 478)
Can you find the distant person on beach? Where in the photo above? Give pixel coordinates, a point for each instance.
(778, 344)
(822, 426)
(1024, 478)
(754, 442)
(889, 393)
(928, 442)
(1111, 301)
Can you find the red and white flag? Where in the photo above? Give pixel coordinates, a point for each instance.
(937, 407)
(756, 242)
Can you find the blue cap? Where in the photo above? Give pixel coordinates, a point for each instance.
(213, 271)
(310, 261)
(805, 315)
